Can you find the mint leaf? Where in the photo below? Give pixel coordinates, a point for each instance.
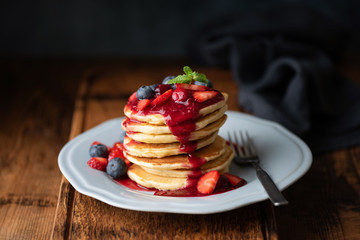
(187, 70)
(189, 77)
(200, 77)
(181, 79)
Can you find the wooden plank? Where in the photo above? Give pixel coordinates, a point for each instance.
(325, 203)
(63, 214)
(93, 219)
(34, 126)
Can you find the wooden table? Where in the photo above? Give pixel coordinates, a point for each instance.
(46, 102)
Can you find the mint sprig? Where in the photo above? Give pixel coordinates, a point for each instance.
(189, 77)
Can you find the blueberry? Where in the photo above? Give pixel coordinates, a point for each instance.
(209, 84)
(145, 92)
(99, 150)
(154, 86)
(122, 135)
(167, 79)
(199, 83)
(116, 168)
(173, 86)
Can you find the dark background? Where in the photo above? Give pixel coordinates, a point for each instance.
(132, 28)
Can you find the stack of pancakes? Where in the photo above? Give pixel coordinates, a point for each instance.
(158, 157)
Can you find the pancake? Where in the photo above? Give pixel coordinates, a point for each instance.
(140, 176)
(150, 180)
(144, 127)
(208, 153)
(221, 164)
(170, 138)
(160, 150)
(158, 119)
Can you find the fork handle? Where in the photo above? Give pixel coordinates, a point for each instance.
(274, 193)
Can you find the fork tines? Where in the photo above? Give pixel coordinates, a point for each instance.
(246, 148)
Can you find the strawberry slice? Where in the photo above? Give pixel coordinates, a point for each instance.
(118, 145)
(118, 151)
(115, 152)
(98, 163)
(142, 104)
(207, 182)
(191, 87)
(180, 94)
(204, 96)
(132, 97)
(163, 97)
(234, 180)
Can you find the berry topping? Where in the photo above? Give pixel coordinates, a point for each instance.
(161, 88)
(145, 92)
(200, 83)
(205, 95)
(115, 152)
(142, 104)
(191, 87)
(98, 163)
(234, 180)
(162, 98)
(222, 183)
(180, 95)
(209, 84)
(173, 86)
(207, 182)
(116, 168)
(99, 150)
(154, 86)
(167, 79)
(132, 97)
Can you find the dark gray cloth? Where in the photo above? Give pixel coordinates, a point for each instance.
(281, 61)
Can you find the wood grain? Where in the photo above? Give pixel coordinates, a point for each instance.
(65, 204)
(34, 126)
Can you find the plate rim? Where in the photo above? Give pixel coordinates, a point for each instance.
(101, 194)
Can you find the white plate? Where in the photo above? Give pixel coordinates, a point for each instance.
(283, 155)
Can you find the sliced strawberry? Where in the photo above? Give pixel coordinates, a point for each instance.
(132, 97)
(118, 145)
(234, 180)
(180, 94)
(98, 163)
(163, 97)
(161, 88)
(142, 104)
(191, 87)
(117, 151)
(207, 182)
(204, 96)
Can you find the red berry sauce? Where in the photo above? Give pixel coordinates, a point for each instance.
(180, 116)
(180, 113)
(127, 182)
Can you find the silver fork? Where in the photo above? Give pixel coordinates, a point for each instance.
(247, 154)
